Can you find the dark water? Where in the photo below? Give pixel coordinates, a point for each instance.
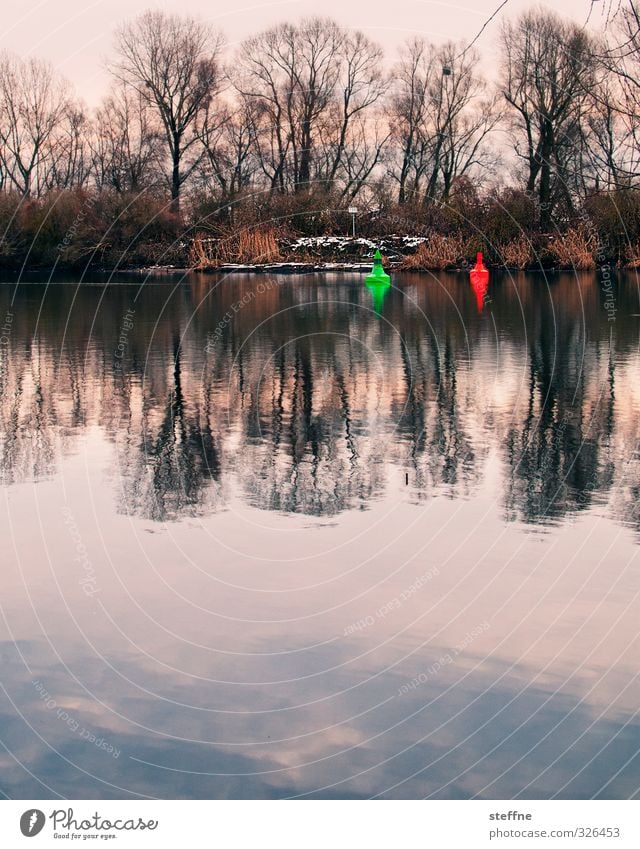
(289, 536)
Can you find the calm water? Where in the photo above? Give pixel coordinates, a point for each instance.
(287, 536)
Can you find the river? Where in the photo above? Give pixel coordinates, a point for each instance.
(273, 536)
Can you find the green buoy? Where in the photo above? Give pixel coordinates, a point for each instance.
(378, 274)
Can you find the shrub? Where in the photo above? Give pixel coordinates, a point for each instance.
(577, 248)
(509, 215)
(437, 253)
(518, 253)
(202, 252)
(463, 209)
(69, 228)
(632, 256)
(11, 236)
(616, 217)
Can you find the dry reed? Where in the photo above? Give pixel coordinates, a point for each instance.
(258, 246)
(517, 254)
(576, 249)
(248, 246)
(632, 256)
(437, 253)
(202, 252)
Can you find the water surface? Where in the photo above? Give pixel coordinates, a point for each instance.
(272, 536)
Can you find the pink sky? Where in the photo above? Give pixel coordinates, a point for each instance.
(76, 35)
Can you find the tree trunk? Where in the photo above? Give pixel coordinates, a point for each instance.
(402, 192)
(175, 178)
(545, 179)
(430, 194)
(304, 168)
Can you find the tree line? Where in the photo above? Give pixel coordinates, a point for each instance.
(302, 120)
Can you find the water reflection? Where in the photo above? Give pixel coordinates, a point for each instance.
(379, 291)
(479, 280)
(201, 758)
(293, 386)
(292, 512)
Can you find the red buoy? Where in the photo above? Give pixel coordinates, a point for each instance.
(480, 266)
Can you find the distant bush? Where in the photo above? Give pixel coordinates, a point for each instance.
(55, 230)
(137, 229)
(616, 218)
(509, 215)
(518, 253)
(12, 239)
(463, 211)
(79, 227)
(632, 256)
(438, 252)
(74, 228)
(577, 248)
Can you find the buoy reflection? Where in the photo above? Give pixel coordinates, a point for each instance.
(479, 277)
(378, 294)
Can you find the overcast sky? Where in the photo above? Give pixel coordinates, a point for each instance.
(76, 35)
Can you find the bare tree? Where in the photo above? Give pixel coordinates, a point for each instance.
(125, 141)
(261, 77)
(291, 72)
(33, 104)
(365, 149)
(623, 55)
(228, 141)
(311, 85)
(315, 73)
(618, 101)
(408, 114)
(440, 118)
(172, 62)
(409, 109)
(69, 163)
(361, 85)
(547, 72)
(464, 150)
(458, 125)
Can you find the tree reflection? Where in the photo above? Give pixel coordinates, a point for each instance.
(305, 455)
(558, 457)
(177, 459)
(306, 400)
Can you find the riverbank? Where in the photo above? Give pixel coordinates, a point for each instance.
(81, 230)
(577, 249)
(262, 250)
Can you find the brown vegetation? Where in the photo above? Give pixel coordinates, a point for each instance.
(633, 256)
(438, 252)
(517, 254)
(202, 252)
(575, 249)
